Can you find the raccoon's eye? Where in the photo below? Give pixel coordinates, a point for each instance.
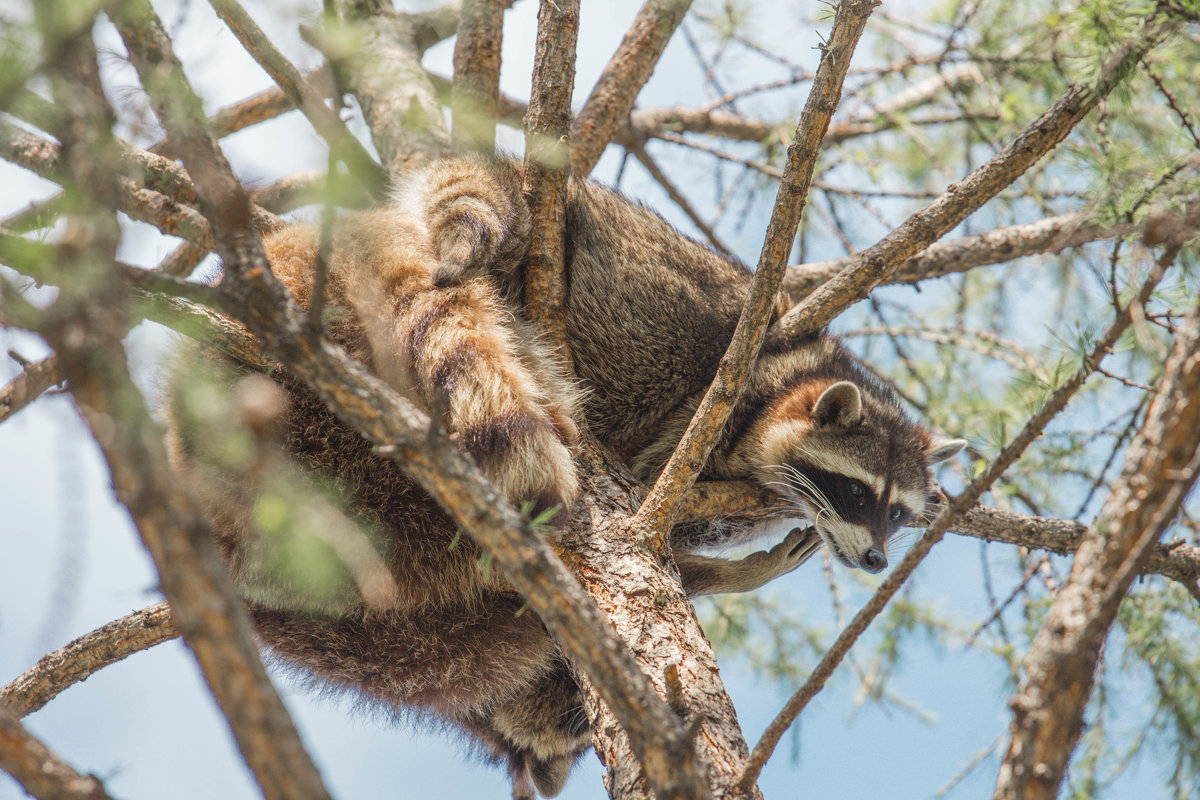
(896, 512)
(857, 490)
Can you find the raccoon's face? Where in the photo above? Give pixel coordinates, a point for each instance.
(856, 466)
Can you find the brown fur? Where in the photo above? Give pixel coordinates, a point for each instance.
(427, 294)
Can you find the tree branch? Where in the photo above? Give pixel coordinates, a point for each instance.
(476, 94)
(614, 94)
(86, 656)
(39, 770)
(34, 380)
(381, 56)
(546, 167)
(926, 226)
(1049, 235)
(1162, 465)
(1175, 560)
(658, 509)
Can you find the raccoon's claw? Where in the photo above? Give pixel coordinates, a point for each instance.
(796, 548)
(799, 544)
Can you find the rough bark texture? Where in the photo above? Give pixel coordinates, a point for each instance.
(546, 167)
(384, 72)
(1160, 469)
(659, 624)
(85, 656)
(476, 94)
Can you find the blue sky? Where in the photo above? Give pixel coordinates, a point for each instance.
(72, 560)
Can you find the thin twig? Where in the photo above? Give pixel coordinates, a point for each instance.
(87, 655)
(35, 379)
(639, 152)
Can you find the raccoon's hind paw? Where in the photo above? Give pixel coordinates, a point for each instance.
(524, 455)
(550, 776)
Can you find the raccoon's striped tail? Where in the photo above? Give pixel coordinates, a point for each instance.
(466, 360)
(474, 213)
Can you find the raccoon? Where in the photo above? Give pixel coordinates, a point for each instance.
(428, 292)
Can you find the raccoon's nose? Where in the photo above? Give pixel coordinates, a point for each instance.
(873, 560)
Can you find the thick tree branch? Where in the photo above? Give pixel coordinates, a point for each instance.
(946, 519)
(1175, 560)
(1049, 235)
(38, 769)
(1161, 467)
(614, 94)
(86, 335)
(926, 226)
(546, 167)
(658, 510)
(86, 656)
(476, 94)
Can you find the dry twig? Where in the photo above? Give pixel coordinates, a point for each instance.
(87, 655)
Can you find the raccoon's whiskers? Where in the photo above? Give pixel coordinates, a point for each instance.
(801, 483)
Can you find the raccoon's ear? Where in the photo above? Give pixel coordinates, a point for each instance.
(940, 448)
(838, 406)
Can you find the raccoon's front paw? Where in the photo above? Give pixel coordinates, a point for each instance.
(797, 547)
